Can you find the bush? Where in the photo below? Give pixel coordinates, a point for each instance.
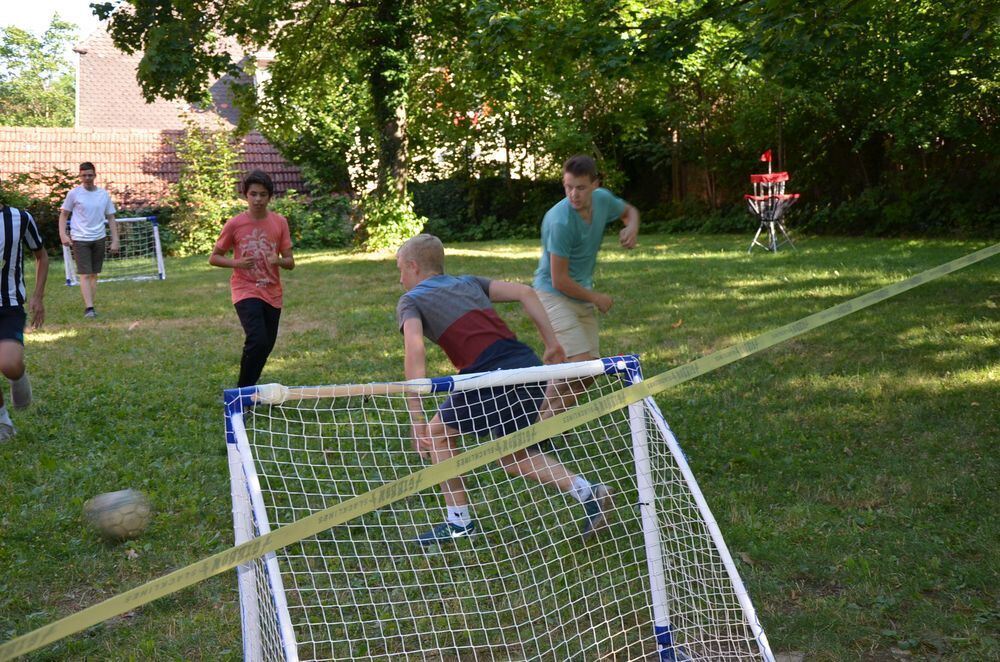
(204, 193)
(25, 191)
(319, 222)
(387, 222)
(196, 227)
(935, 209)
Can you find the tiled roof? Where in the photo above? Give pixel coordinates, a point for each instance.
(135, 165)
(130, 142)
(109, 96)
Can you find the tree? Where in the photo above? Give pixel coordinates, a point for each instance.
(340, 78)
(37, 82)
(204, 193)
(676, 98)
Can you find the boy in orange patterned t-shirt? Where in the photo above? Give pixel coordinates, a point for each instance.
(260, 243)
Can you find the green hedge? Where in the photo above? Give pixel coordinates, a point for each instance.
(318, 222)
(488, 208)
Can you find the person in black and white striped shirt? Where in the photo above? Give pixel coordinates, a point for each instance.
(17, 229)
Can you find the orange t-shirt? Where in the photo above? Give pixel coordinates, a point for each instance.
(248, 237)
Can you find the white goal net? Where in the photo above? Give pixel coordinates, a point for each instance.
(139, 257)
(657, 582)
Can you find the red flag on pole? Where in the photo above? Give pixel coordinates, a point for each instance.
(766, 156)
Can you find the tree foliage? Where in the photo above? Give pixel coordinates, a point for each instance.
(882, 109)
(37, 82)
(205, 195)
(337, 93)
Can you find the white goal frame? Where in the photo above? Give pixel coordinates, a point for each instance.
(156, 269)
(264, 576)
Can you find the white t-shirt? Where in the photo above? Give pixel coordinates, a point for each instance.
(89, 208)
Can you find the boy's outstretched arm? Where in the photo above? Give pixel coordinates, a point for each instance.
(415, 367)
(36, 305)
(629, 234)
(502, 290)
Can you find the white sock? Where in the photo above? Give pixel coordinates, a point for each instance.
(582, 489)
(4, 416)
(459, 516)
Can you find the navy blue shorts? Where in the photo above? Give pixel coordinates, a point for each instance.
(12, 319)
(500, 410)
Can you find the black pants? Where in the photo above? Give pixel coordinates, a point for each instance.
(260, 323)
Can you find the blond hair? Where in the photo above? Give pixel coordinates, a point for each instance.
(426, 250)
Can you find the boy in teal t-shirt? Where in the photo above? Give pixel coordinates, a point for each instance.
(565, 233)
(571, 238)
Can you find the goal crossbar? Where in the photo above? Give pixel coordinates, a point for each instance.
(659, 580)
(275, 394)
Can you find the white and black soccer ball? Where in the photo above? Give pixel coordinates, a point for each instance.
(118, 515)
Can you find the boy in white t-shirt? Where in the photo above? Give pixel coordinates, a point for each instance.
(90, 206)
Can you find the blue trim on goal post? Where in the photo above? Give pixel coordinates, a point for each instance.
(669, 651)
(442, 384)
(236, 401)
(626, 363)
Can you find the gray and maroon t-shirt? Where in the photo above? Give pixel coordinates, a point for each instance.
(457, 314)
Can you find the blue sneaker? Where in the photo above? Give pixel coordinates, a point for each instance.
(446, 532)
(598, 507)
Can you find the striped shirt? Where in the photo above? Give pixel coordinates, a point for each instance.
(17, 228)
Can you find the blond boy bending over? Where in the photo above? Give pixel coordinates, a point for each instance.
(456, 313)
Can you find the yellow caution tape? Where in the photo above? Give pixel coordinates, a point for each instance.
(459, 464)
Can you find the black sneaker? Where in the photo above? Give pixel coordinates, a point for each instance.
(446, 532)
(598, 507)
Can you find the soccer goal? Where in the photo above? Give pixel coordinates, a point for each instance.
(657, 583)
(139, 256)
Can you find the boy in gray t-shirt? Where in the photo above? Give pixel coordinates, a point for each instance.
(457, 314)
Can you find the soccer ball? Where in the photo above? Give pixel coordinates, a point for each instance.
(118, 515)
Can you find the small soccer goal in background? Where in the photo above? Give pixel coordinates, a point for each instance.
(139, 257)
(657, 583)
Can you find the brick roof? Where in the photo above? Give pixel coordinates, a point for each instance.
(135, 165)
(131, 142)
(109, 96)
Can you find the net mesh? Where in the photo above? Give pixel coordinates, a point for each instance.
(525, 585)
(138, 258)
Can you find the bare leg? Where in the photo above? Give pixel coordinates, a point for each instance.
(88, 287)
(539, 467)
(11, 360)
(597, 500)
(443, 448)
(561, 394)
(12, 366)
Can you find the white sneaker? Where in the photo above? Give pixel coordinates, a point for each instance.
(20, 392)
(6, 432)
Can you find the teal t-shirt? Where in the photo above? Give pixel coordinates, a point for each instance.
(567, 235)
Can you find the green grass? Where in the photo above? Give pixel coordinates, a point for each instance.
(852, 470)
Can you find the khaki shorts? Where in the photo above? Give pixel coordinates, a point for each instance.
(575, 323)
(89, 256)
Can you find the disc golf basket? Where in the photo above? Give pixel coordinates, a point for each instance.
(769, 203)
